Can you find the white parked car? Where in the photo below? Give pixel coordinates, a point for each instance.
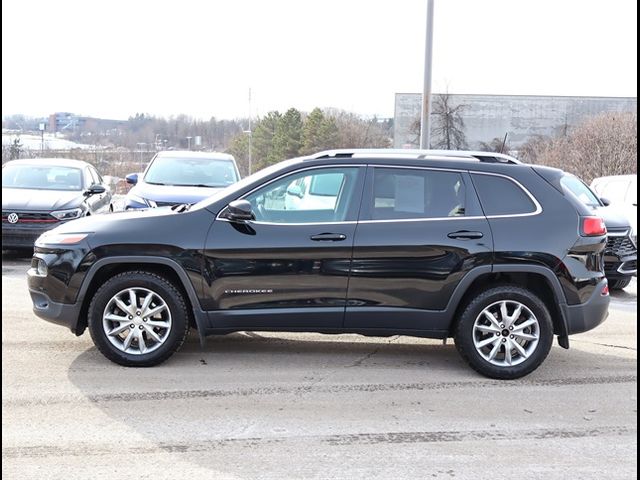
(621, 191)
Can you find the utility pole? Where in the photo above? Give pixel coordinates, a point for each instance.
(425, 120)
(250, 166)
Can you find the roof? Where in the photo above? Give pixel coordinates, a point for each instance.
(467, 155)
(59, 162)
(190, 154)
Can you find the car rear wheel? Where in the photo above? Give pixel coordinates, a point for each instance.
(138, 319)
(505, 332)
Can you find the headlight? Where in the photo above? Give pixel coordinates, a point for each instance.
(60, 238)
(41, 268)
(67, 214)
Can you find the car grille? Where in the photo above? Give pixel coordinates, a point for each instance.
(29, 217)
(167, 204)
(630, 265)
(620, 246)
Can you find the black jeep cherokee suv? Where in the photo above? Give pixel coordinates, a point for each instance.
(478, 247)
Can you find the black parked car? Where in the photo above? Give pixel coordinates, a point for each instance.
(621, 252)
(40, 194)
(496, 254)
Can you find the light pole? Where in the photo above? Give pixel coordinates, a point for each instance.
(249, 132)
(425, 120)
(42, 127)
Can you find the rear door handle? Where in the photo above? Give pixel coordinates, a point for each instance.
(328, 237)
(465, 235)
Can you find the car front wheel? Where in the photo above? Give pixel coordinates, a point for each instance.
(505, 332)
(138, 319)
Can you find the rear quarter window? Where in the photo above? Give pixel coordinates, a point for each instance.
(502, 196)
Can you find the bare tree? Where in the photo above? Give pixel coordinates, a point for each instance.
(605, 144)
(447, 131)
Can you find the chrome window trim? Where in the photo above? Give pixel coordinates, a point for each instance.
(537, 211)
(255, 222)
(433, 219)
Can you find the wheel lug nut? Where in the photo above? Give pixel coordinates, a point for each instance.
(497, 334)
(502, 325)
(504, 340)
(511, 336)
(130, 317)
(510, 328)
(144, 319)
(140, 327)
(138, 314)
(131, 326)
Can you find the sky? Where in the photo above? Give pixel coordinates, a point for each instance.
(114, 58)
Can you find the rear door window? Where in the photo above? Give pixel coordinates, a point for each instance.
(502, 196)
(400, 193)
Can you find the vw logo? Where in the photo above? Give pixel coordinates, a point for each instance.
(12, 218)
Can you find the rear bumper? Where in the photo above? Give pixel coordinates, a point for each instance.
(588, 315)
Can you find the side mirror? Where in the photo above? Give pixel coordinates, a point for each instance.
(605, 201)
(132, 178)
(295, 190)
(238, 211)
(95, 189)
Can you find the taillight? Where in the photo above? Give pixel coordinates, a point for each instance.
(592, 227)
(605, 291)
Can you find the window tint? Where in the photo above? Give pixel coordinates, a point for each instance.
(501, 196)
(313, 196)
(580, 190)
(414, 193)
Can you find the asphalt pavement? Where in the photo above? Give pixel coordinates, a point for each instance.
(278, 406)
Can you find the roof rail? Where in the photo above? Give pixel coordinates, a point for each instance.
(488, 157)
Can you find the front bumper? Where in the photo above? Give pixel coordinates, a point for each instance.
(620, 255)
(63, 314)
(588, 315)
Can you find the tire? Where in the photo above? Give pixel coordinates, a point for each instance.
(620, 283)
(142, 336)
(483, 343)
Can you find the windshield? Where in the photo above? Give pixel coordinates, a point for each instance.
(41, 177)
(244, 183)
(580, 190)
(191, 172)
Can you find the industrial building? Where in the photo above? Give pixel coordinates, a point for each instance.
(519, 116)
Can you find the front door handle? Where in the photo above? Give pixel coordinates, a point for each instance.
(328, 237)
(465, 235)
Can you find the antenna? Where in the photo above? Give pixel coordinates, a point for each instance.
(504, 142)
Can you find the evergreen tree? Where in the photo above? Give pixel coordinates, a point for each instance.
(288, 137)
(319, 133)
(262, 139)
